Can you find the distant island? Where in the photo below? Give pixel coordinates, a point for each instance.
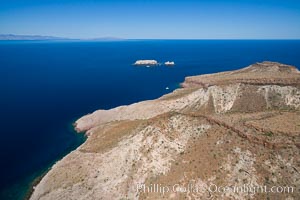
(41, 37)
(29, 37)
(169, 63)
(149, 63)
(146, 62)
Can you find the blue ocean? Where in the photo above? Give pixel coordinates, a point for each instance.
(46, 85)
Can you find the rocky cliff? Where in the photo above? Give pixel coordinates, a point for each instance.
(226, 129)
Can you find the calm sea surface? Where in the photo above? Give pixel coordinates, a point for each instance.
(46, 86)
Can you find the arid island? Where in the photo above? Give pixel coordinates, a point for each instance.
(231, 129)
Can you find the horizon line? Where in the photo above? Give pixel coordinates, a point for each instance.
(51, 37)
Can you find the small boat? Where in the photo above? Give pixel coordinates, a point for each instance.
(167, 88)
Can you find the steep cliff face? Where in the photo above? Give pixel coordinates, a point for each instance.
(230, 128)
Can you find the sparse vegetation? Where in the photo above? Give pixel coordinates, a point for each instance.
(269, 134)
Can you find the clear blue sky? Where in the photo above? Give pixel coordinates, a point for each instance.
(166, 19)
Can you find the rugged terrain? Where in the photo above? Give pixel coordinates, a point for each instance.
(227, 129)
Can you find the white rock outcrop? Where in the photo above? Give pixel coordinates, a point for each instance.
(146, 62)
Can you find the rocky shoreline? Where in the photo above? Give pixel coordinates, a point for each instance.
(221, 117)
